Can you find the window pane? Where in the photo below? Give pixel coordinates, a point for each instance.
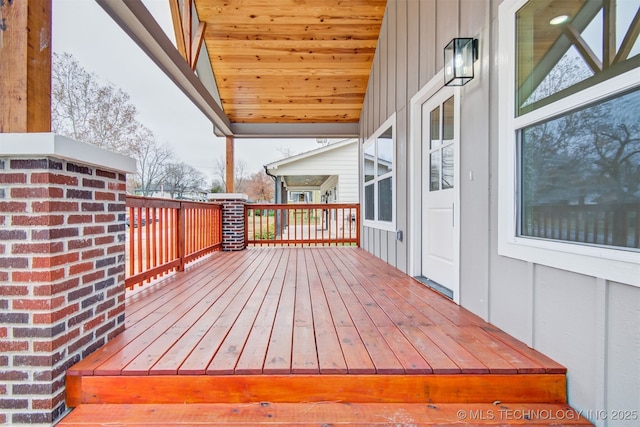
(369, 210)
(435, 127)
(434, 184)
(447, 167)
(580, 175)
(560, 48)
(447, 120)
(369, 162)
(385, 200)
(385, 152)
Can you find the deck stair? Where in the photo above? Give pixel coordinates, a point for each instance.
(310, 337)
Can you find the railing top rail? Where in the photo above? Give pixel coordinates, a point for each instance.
(301, 205)
(200, 205)
(156, 202)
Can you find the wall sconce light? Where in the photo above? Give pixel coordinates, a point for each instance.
(459, 56)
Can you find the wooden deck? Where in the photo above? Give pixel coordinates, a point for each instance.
(307, 325)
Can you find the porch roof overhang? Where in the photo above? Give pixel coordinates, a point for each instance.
(279, 68)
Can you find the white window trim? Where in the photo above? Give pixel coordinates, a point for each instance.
(607, 263)
(382, 225)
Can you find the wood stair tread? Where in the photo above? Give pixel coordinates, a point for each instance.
(323, 414)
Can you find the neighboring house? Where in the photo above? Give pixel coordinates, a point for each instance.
(325, 175)
(165, 192)
(474, 166)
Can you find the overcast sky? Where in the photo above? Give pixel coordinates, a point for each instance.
(83, 29)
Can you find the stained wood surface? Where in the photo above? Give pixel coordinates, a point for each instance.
(307, 324)
(324, 413)
(304, 311)
(376, 388)
(286, 61)
(25, 66)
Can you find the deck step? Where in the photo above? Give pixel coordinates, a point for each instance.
(323, 414)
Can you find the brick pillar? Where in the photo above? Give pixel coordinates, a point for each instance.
(62, 257)
(233, 224)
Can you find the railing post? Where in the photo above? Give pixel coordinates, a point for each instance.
(233, 220)
(181, 236)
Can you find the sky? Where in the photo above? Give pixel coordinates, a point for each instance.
(83, 29)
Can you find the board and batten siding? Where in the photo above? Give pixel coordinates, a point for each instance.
(589, 324)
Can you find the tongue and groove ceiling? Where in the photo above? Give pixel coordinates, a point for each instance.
(291, 61)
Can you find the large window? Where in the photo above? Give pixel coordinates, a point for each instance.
(580, 175)
(378, 179)
(570, 135)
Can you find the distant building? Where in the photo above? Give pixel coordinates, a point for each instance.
(325, 175)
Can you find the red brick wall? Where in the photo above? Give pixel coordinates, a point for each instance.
(62, 257)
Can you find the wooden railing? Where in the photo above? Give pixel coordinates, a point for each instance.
(302, 224)
(615, 224)
(163, 235)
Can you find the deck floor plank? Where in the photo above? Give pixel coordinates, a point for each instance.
(251, 360)
(330, 356)
(226, 359)
(321, 413)
(304, 311)
(221, 318)
(278, 357)
(304, 358)
(167, 339)
(381, 354)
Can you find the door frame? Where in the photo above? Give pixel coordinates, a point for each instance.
(433, 87)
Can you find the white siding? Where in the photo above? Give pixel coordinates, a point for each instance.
(341, 161)
(588, 324)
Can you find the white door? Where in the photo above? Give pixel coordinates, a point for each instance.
(440, 232)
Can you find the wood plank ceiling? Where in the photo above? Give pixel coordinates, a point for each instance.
(291, 61)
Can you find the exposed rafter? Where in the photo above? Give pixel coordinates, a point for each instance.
(188, 42)
(139, 24)
(629, 40)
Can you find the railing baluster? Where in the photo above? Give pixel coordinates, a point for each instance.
(302, 225)
(173, 234)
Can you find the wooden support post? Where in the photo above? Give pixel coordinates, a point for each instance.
(229, 166)
(25, 67)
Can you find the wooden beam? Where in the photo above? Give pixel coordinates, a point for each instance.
(186, 28)
(629, 39)
(229, 166)
(25, 67)
(583, 48)
(608, 33)
(197, 45)
(177, 27)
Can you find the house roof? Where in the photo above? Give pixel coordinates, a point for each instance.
(301, 176)
(287, 68)
(311, 153)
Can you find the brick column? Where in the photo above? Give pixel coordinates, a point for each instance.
(62, 257)
(233, 224)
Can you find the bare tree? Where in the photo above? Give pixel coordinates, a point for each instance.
(180, 178)
(151, 161)
(219, 170)
(86, 111)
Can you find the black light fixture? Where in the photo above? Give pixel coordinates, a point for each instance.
(459, 56)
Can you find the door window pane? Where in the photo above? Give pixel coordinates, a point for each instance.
(447, 120)
(434, 184)
(447, 167)
(435, 128)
